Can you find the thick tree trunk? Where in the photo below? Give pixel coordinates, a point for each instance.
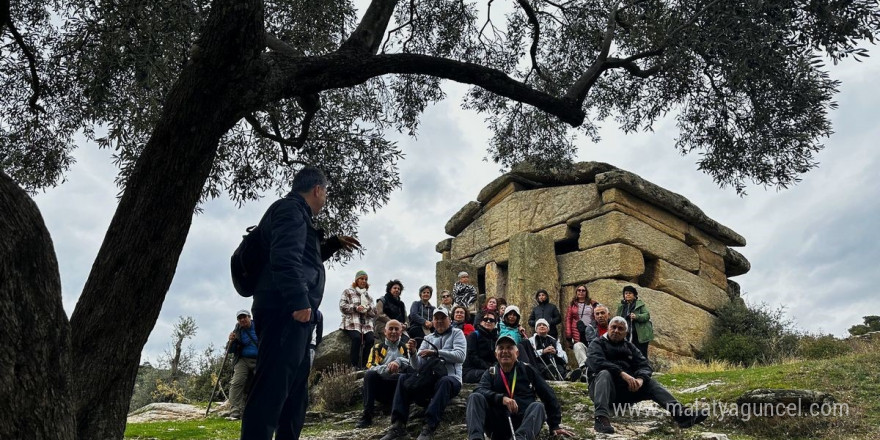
(125, 290)
(35, 359)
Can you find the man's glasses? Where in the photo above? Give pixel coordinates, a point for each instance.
(489, 320)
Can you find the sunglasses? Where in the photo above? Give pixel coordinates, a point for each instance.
(446, 296)
(489, 320)
(581, 290)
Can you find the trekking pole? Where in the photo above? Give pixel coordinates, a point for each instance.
(510, 421)
(219, 372)
(556, 367)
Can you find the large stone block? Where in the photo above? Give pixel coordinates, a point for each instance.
(672, 202)
(580, 172)
(691, 288)
(503, 184)
(713, 275)
(463, 218)
(710, 257)
(615, 195)
(524, 211)
(447, 274)
(735, 263)
(496, 280)
(559, 233)
(575, 222)
(679, 327)
(532, 266)
(609, 261)
(498, 254)
(616, 227)
(443, 246)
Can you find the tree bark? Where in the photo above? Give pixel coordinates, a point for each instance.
(138, 257)
(35, 359)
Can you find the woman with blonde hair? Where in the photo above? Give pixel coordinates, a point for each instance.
(358, 314)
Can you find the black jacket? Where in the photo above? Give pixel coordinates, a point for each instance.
(529, 384)
(603, 354)
(480, 349)
(549, 312)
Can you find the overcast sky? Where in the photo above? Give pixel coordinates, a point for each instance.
(811, 247)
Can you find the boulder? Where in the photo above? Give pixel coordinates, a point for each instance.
(616, 227)
(679, 327)
(462, 218)
(608, 261)
(524, 211)
(684, 285)
(532, 266)
(334, 349)
(670, 201)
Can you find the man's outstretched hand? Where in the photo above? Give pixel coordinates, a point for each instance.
(349, 243)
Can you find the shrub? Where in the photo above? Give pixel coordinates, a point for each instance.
(822, 347)
(747, 335)
(336, 389)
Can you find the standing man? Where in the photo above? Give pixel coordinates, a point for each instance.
(619, 373)
(504, 401)
(289, 290)
(450, 346)
(243, 344)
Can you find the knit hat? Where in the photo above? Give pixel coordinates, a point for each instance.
(542, 321)
(632, 290)
(359, 274)
(463, 274)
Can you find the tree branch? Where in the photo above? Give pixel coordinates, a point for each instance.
(369, 32)
(578, 90)
(32, 62)
(536, 35)
(296, 76)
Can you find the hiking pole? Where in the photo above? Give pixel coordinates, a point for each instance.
(510, 421)
(219, 372)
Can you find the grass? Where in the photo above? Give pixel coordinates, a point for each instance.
(853, 379)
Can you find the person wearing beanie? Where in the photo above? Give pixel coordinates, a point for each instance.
(551, 357)
(547, 311)
(358, 313)
(638, 319)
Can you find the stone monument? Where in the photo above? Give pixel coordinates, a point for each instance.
(597, 225)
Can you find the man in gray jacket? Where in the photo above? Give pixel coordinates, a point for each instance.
(451, 346)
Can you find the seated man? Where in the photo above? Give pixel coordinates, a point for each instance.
(620, 374)
(503, 405)
(587, 334)
(451, 347)
(480, 348)
(551, 357)
(387, 360)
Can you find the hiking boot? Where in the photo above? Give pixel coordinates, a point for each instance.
(427, 433)
(690, 418)
(603, 425)
(364, 421)
(575, 375)
(395, 432)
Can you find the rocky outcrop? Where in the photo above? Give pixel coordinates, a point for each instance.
(592, 223)
(333, 349)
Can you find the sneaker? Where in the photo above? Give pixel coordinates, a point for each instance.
(575, 375)
(603, 425)
(427, 433)
(395, 432)
(364, 422)
(233, 416)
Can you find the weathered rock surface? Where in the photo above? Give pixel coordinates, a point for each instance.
(670, 201)
(157, 412)
(499, 254)
(678, 326)
(333, 349)
(608, 261)
(500, 183)
(682, 284)
(576, 173)
(496, 280)
(532, 266)
(616, 227)
(524, 211)
(735, 263)
(802, 398)
(447, 274)
(444, 245)
(462, 218)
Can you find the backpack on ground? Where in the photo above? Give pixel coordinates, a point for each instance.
(247, 262)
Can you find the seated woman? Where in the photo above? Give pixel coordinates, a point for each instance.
(358, 313)
(445, 300)
(480, 349)
(491, 305)
(421, 313)
(510, 326)
(460, 320)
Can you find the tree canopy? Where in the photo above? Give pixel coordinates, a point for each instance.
(197, 98)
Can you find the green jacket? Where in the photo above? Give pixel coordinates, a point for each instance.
(642, 323)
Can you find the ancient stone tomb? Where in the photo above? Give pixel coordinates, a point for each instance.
(604, 227)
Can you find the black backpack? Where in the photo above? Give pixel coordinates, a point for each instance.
(247, 262)
(422, 381)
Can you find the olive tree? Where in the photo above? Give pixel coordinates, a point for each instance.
(200, 98)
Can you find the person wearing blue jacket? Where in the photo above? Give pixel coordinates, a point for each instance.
(289, 290)
(243, 344)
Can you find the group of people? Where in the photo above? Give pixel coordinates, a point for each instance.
(512, 399)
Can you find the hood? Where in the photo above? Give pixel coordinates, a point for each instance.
(539, 301)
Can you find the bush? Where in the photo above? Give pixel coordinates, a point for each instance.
(822, 347)
(335, 391)
(746, 335)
